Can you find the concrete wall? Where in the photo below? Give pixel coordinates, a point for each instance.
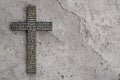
(84, 43)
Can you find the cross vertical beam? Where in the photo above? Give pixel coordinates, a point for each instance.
(31, 26)
(31, 40)
(31, 13)
(31, 51)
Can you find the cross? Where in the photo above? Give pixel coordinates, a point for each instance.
(31, 26)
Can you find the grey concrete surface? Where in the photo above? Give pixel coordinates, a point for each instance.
(84, 43)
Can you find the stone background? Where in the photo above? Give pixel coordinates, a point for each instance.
(84, 43)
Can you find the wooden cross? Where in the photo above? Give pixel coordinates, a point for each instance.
(31, 26)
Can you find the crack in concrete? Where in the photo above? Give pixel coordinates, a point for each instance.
(105, 61)
(86, 31)
(79, 18)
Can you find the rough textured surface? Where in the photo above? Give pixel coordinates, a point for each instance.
(84, 43)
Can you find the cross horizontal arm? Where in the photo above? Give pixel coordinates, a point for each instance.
(18, 26)
(43, 26)
(38, 26)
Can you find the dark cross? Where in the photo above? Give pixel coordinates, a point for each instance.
(31, 26)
